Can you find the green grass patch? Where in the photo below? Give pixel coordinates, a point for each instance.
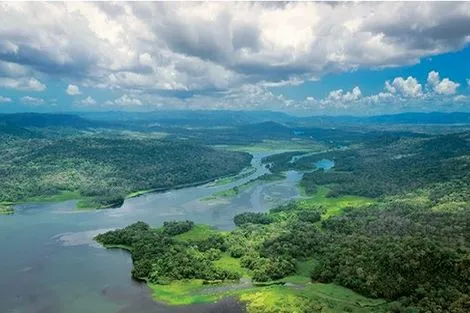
(335, 205)
(275, 145)
(198, 232)
(182, 292)
(340, 299)
(6, 210)
(60, 197)
(226, 262)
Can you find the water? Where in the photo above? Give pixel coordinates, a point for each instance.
(325, 164)
(51, 264)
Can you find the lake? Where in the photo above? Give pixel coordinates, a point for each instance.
(51, 264)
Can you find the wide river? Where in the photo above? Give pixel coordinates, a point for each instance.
(50, 263)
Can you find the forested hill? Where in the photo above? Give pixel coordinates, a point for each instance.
(102, 171)
(45, 120)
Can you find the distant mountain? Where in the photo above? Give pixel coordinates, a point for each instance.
(191, 118)
(266, 127)
(423, 118)
(401, 118)
(41, 120)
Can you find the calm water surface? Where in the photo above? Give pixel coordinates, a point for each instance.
(50, 263)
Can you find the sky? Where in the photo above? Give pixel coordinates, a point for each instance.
(305, 58)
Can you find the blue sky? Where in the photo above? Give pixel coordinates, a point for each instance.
(303, 58)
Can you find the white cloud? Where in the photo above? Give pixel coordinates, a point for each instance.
(339, 95)
(460, 98)
(72, 90)
(409, 87)
(126, 101)
(4, 99)
(28, 84)
(442, 87)
(88, 101)
(222, 46)
(468, 82)
(380, 97)
(32, 100)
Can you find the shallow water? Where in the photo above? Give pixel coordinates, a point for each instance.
(324, 164)
(51, 264)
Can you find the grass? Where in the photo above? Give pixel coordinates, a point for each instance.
(5, 209)
(333, 206)
(317, 297)
(60, 197)
(182, 292)
(273, 145)
(226, 262)
(198, 232)
(340, 299)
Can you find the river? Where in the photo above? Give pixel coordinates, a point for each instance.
(50, 263)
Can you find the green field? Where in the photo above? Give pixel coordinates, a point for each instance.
(333, 205)
(198, 232)
(275, 145)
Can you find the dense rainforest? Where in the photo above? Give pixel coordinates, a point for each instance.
(409, 245)
(103, 171)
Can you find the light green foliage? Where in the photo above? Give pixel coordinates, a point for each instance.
(198, 232)
(5, 209)
(276, 145)
(232, 264)
(332, 206)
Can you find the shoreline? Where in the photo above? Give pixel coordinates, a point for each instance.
(74, 195)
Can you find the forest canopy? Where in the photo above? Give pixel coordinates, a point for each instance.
(105, 170)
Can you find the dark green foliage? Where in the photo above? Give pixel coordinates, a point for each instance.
(216, 241)
(173, 228)
(158, 257)
(107, 169)
(301, 240)
(403, 252)
(252, 218)
(387, 169)
(266, 269)
(282, 161)
(237, 251)
(309, 216)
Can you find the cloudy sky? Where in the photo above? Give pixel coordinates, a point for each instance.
(304, 58)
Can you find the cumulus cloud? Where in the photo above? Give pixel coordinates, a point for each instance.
(460, 98)
(210, 46)
(339, 95)
(32, 100)
(4, 99)
(72, 90)
(409, 87)
(442, 87)
(28, 84)
(468, 82)
(88, 101)
(125, 101)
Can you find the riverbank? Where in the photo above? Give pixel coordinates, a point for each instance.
(5, 209)
(90, 203)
